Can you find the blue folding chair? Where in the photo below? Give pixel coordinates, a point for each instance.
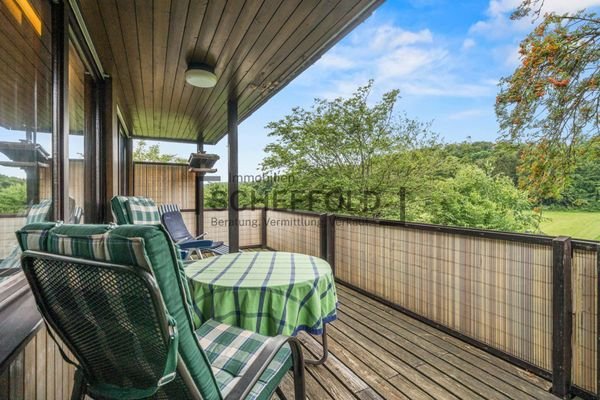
(173, 222)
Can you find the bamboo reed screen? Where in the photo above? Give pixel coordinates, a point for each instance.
(216, 225)
(495, 291)
(165, 184)
(585, 283)
(297, 233)
(8, 239)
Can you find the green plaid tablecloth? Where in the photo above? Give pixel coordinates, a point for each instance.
(270, 293)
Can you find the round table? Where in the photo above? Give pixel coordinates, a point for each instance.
(271, 293)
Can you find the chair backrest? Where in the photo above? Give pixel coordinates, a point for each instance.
(173, 222)
(39, 212)
(111, 317)
(134, 210)
(149, 249)
(165, 208)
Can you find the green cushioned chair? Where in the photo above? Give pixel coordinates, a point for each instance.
(118, 298)
(134, 210)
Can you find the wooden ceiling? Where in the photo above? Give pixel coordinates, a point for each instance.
(256, 47)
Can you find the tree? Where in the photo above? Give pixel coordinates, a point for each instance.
(553, 97)
(143, 152)
(475, 199)
(13, 195)
(348, 155)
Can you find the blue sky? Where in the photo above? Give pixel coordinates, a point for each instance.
(445, 56)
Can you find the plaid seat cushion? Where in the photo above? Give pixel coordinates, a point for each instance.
(39, 212)
(142, 211)
(231, 350)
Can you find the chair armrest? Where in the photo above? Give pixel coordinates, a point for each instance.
(247, 381)
(201, 236)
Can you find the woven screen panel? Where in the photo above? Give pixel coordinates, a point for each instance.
(295, 233)
(585, 286)
(165, 184)
(8, 240)
(216, 225)
(495, 291)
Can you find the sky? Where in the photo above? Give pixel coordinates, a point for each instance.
(445, 56)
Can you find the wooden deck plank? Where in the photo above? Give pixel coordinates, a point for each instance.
(527, 382)
(377, 352)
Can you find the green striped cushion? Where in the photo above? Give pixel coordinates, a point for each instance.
(231, 350)
(142, 211)
(118, 205)
(34, 236)
(101, 247)
(39, 212)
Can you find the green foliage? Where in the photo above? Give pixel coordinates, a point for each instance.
(343, 150)
(354, 156)
(553, 97)
(13, 195)
(475, 199)
(143, 152)
(501, 158)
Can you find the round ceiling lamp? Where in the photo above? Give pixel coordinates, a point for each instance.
(201, 75)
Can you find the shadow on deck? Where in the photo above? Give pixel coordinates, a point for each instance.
(377, 352)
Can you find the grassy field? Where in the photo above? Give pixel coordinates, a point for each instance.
(577, 224)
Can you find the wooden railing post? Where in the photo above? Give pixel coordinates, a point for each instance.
(323, 234)
(598, 322)
(562, 310)
(263, 228)
(331, 241)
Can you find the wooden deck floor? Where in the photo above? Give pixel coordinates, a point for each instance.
(377, 352)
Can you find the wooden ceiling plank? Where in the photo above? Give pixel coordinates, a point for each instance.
(208, 51)
(27, 52)
(127, 20)
(323, 31)
(144, 16)
(178, 14)
(162, 14)
(107, 13)
(22, 66)
(249, 50)
(200, 30)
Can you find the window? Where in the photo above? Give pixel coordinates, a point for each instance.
(25, 120)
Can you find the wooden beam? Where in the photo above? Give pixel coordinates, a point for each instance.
(232, 185)
(562, 324)
(60, 111)
(330, 241)
(199, 193)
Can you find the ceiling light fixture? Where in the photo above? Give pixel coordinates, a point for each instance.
(201, 75)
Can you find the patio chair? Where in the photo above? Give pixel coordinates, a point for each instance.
(119, 301)
(172, 220)
(37, 213)
(134, 210)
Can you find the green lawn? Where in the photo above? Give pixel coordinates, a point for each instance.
(577, 224)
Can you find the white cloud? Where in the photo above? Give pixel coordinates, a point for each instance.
(468, 43)
(405, 61)
(469, 114)
(390, 37)
(416, 62)
(334, 61)
(498, 22)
